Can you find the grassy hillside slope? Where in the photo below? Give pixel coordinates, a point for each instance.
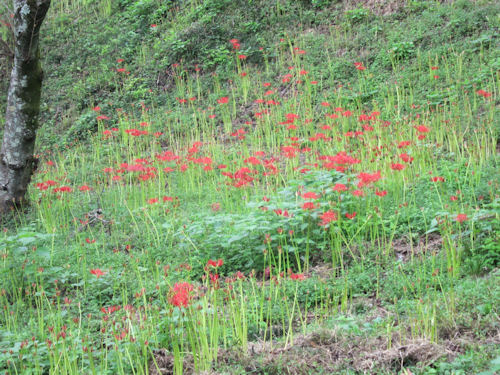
(233, 187)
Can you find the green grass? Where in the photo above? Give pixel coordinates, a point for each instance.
(346, 174)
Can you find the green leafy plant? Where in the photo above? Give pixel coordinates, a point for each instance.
(357, 15)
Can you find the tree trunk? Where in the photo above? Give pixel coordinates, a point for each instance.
(23, 104)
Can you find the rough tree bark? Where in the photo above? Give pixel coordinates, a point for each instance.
(23, 104)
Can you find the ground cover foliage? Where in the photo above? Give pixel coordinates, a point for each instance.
(233, 187)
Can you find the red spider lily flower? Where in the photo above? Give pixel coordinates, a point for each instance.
(281, 212)
(327, 217)
(84, 188)
(297, 276)
(96, 108)
(339, 187)
(350, 216)
(63, 189)
(89, 241)
(434, 67)
(483, 93)
(181, 294)
(358, 193)
(381, 193)
(235, 43)
(152, 200)
(453, 198)
(97, 272)
(207, 168)
(404, 144)
(359, 66)
(437, 179)
(368, 178)
(406, 158)
(119, 60)
(214, 279)
(310, 195)
(338, 161)
(242, 57)
(397, 166)
(153, 25)
(215, 207)
(102, 117)
(110, 309)
(461, 218)
(422, 129)
(215, 263)
(252, 160)
(223, 100)
(309, 206)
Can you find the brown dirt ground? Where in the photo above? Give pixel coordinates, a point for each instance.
(328, 350)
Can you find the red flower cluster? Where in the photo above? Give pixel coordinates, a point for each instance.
(297, 276)
(97, 272)
(327, 217)
(484, 94)
(235, 43)
(368, 178)
(214, 263)
(111, 309)
(359, 66)
(181, 294)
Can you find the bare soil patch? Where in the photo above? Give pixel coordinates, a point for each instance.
(325, 350)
